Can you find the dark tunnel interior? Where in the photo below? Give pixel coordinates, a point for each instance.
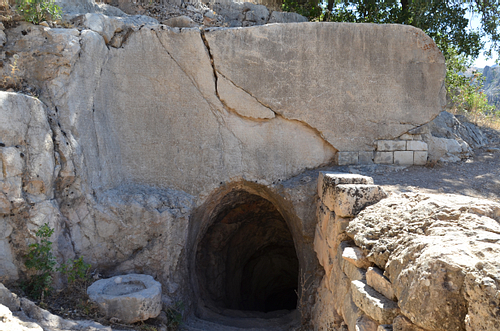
(246, 259)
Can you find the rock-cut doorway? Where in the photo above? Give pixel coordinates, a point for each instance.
(246, 259)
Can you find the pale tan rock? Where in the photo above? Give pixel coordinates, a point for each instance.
(9, 270)
(9, 299)
(346, 158)
(354, 126)
(327, 181)
(416, 145)
(350, 312)
(403, 157)
(402, 323)
(350, 199)
(373, 303)
(364, 323)
(434, 249)
(391, 145)
(355, 256)
(129, 298)
(420, 157)
(322, 251)
(324, 316)
(325, 217)
(353, 272)
(240, 101)
(376, 279)
(9, 322)
(383, 157)
(335, 232)
(180, 22)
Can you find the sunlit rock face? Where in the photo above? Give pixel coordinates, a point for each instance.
(145, 138)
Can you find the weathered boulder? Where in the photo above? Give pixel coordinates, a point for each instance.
(440, 254)
(451, 138)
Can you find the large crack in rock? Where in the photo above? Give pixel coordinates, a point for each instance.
(338, 78)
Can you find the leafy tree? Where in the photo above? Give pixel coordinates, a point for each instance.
(36, 11)
(445, 21)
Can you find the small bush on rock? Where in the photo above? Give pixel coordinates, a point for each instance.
(36, 11)
(78, 273)
(40, 263)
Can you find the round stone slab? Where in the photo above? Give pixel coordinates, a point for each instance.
(129, 298)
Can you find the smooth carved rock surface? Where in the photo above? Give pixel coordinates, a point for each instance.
(440, 254)
(399, 81)
(137, 123)
(130, 298)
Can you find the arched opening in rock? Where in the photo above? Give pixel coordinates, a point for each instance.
(246, 259)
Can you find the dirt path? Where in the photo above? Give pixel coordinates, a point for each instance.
(478, 176)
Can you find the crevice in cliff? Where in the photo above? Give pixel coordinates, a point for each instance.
(216, 74)
(207, 46)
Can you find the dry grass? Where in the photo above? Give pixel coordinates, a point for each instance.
(491, 121)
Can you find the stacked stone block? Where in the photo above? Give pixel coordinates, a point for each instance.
(401, 152)
(408, 149)
(362, 297)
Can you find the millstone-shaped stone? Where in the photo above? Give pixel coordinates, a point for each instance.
(130, 298)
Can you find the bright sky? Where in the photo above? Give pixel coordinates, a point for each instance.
(481, 61)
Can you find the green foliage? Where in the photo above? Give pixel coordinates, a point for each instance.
(77, 272)
(174, 315)
(464, 90)
(36, 11)
(40, 263)
(310, 10)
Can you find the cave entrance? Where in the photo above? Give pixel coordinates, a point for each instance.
(247, 260)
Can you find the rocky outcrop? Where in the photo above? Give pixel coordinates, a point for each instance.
(492, 84)
(29, 167)
(21, 314)
(413, 261)
(441, 255)
(451, 138)
(147, 130)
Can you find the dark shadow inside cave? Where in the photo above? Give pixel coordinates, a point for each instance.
(246, 259)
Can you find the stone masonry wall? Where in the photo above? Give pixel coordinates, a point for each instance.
(359, 294)
(405, 262)
(407, 149)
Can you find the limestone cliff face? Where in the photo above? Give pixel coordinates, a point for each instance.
(188, 109)
(141, 130)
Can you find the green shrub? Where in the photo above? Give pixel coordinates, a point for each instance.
(77, 272)
(36, 11)
(40, 263)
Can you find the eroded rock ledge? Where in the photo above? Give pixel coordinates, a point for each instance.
(408, 262)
